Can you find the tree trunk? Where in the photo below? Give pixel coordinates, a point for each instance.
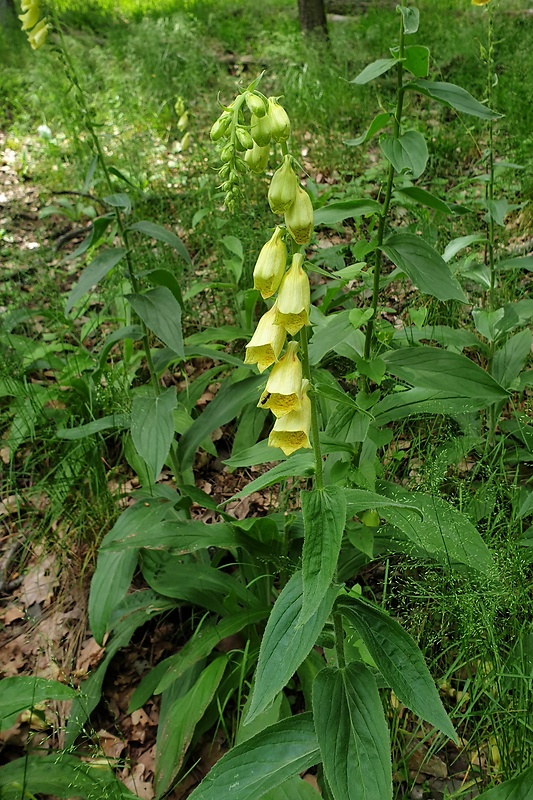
(312, 15)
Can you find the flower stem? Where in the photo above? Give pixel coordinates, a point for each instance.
(306, 369)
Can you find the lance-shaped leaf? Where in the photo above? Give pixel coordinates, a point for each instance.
(286, 642)
(94, 273)
(407, 153)
(399, 660)
(352, 733)
(374, 70)
(263, 762)
(324, 514)
(152, 427)
(453, 96)
(21, 692)
(519, 788)
(161, 312)
(345, 209)
(162, 235)
(423, 265)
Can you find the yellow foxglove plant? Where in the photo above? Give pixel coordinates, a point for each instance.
(291, 431)
(299, 217)
(294, 298)
(480, 2)
(270, 265)
(267, 342)
(283, 391)
(36, 29)
(283, 187)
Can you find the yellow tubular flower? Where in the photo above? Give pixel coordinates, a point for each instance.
(31, 17)
(280, 122)
(299, 217)
(294, 299)
(27, 4)
(261, 129)
(291, 432)
(283, 187)
(480, 2)
(38, 35)
(270, 265)
(257, 158)
(267, 342)
(284, 387)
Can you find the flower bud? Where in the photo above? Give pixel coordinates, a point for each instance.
(227, 153)
(299, 217)
(245, 140)
(283, 187)
(270, 265)
(31, 17)
(183, 121)
(38, 35)
(185, 142)
(257, 158)
(280, 122)
(261, 130)
(267, 342)
(256, 104)
(291, 431)
(294, 298)
(284, 386)
(220, 127)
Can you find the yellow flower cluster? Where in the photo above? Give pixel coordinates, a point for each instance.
(480, 2)
(37, 30)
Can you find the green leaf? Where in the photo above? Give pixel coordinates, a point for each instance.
(227, 404)
(94, 273)
(410, 18)
(23, 692)
(444, 335)
(425, 198)
(300, 465)
(399, 660)
(324, 515)
(60, 776)
(361, 499)
(417, 60)
(379, 122)
(182, 536)
(519, 788)
(332, 329)
(407, 153)
(263, 762)
(293, 789)
(434, 368)
(112, 422)
(160, 233)
(511, 359)
(119, 200)
(286, 642)
(412, 402)
(423, 265)
(374, 70)
(163, 277)
(453, 96)
(525, 262)
(456, 245)
(161, 312)
(152, 427)
(176, 732)
(345, 209)
(352, 733)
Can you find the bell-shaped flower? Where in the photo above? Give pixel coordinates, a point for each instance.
(291, 432)
(294, 299)
(267, 342)
(31, 17)
(257, 158)
(37, 37)
(280, 122)
(270, 265)
(284, 386)
(283, 187)
(299, 217)
(27, 4)
(261, 129)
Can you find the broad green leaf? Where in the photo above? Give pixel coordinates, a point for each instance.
(332, 329)
(286, 642)
(60, 776)
(93, 274)
(22, 692)
(456, 338)
(161, 312)
(268, 717)
(160, 233)
(456, 245)
(453, 96)
(182, 536)
(324, 515)
(379, 122)
(425, 198)
(227, 404)
(177, 730)
(400, 405)
(300, 465)
(234, 245)
(410, 18)
(293, 789)
(114, 571)
(112, 422)
(359, 316)
(417, 60)
(374, 70)
(437, 369)
(423, 265)
(352, 733)
(399, 660)
(511, 359)
(345, 209)
(163, 277)
(263, 762)
(407, 153)
(524, 262)
(98, 228)
(201, 645)
(133, 332)
(443, 533)
(119, 200)
(152, 427)
(358, 500)
(519, 788)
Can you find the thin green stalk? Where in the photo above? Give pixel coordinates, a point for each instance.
(378, 258)
(490, 185)
(306, 369)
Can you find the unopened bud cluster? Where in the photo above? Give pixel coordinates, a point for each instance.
(36, 27)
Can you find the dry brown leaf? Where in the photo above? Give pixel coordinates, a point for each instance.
(135, 783)
(11, 614)
(39, 583)
(111, 745)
